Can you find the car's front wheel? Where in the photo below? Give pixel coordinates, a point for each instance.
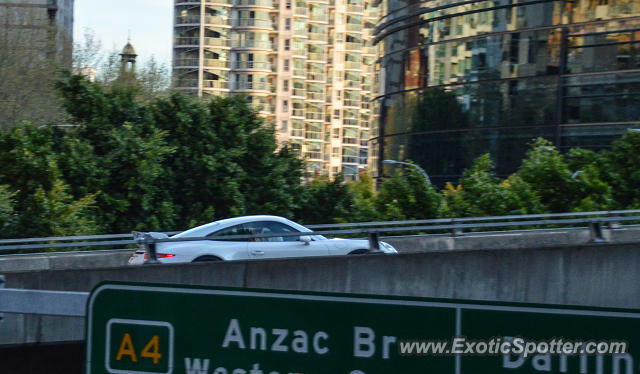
(207, 258)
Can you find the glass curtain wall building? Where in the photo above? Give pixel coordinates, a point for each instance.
(457, 79)
(306, 65)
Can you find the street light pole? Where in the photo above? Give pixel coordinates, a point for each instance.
(424, 173)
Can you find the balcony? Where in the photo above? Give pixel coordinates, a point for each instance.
(299, 52)
(313, 155)
(252, 65)
(186, 62)
(352, 84)
(371, 13)
(318, 96)
(248, 86)
(356, 27)
(315, 36)
(352, 103)
(369, 50)
(300, 32)
(313, 135)
(298, 113)
(186, 41)
(187, 83)
(315, 56)
(298, 92)
(350, 122)
(350, 140)
(314, 116)
(219, 84)
(318, 18)
(301, 11)
(188, 19)
(215, 2)
(216, 20)
(365, 105)
(352, 8)
(213, 63)
(249, 43)
(315, 77)
(253, 22)
(254, 3)
(352, 65)
(349, 46)
(350, 159)
(299, 73)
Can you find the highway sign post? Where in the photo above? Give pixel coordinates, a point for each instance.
(137, 328)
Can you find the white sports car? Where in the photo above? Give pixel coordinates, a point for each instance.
(222, 247)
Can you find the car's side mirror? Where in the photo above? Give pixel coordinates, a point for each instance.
(305, 239)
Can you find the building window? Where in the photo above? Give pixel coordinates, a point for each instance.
(336, 114)
(335, 152)
(288, 4)
(285, 85)
(286, 65)
(283, 127)
(287, 23)
(285, 106)
(287, 44)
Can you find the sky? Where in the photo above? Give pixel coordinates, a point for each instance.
(149, 22)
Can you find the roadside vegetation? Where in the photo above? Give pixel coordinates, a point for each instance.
(135, 161)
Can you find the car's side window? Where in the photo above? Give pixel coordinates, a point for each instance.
(225, 234)
(269, 227)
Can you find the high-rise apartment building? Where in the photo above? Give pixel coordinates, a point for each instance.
(307, 67)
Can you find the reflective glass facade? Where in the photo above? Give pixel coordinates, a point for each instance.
(568, 71)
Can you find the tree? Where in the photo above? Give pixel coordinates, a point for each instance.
(154, 77)
(621, 170)
(324, 200)
(364, 193)
(407, 197)
(8, 216)
(40, 203)
(545, 170)
(88, 52)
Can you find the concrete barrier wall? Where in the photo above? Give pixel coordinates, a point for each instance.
(604, 275)
(406, 244)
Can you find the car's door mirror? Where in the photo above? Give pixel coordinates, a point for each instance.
(305, 239)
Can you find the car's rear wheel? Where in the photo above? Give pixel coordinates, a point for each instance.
(359, 252)
(207, 258)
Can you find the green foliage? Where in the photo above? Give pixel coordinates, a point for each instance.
(546, 171)
(8, 216)
(407, 197)
(364, 194)
(325, 200)
(621, 169)
(173, 161)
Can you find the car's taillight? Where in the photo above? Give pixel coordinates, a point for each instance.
(165, 255)
(146, 255)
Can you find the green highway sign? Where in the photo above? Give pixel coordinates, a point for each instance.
(168, 329)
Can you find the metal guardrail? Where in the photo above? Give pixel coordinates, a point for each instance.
(455, 226)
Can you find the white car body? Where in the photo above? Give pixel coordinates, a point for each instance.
(273, 247)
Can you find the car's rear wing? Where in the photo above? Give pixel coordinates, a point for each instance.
(142, 239)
